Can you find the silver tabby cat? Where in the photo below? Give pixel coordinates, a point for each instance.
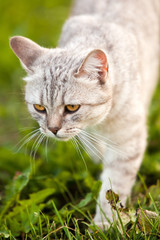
(102, 75)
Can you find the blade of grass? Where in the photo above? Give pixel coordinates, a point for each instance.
(77, 230)
(121, 223)
(134, 228)
(40, 226)
(61, 221)
(143, 221)
(154, 204)
(90, 235)
(143, 182)
(97, 230)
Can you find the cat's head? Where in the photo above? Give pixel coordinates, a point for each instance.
(66, 91)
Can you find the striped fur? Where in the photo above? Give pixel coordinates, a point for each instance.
(115, 98)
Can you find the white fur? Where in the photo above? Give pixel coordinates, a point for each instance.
(114, 93)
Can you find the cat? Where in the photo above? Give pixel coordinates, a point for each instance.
(102, 75)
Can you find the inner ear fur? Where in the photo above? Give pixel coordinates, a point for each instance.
(95, 64)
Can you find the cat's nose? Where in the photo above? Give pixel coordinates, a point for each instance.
(54, 129)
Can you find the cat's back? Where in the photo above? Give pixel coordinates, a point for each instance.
(141, 19)
(137, 15)
(119, 9)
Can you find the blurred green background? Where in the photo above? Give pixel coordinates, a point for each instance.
(40, 21)
(59, 168)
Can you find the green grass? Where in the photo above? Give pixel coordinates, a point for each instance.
(54, 195)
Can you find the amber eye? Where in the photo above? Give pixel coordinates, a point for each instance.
(72, 108)
(39, 108)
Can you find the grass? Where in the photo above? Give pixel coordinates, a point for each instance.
(54, 196)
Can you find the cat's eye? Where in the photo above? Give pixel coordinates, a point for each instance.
(39, 108)
(71, 108)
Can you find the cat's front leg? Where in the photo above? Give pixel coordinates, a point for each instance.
(119, 175)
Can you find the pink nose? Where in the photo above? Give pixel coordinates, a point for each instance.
(54, 129)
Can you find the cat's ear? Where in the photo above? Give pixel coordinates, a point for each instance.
(26, 50)
(95, 66)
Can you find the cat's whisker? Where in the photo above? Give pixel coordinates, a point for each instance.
(39, 132)
(82, 145)
(26, 139)
(89, 146)
(100, 138)
(87, 140)
(113, 145)
(105, 138)
(88, 149)
(34, 145)
(94, 140)
(74, 145)
(38, 144)
(94, 149)
(26, 128)
(79, 151)
(46, 148)
(100, 142)
(27, 136)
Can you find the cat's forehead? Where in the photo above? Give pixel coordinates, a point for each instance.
(52, 79)
(59, 63)
(57, 74)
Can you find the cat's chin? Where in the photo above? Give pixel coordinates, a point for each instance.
(60, 138)
(64, 139)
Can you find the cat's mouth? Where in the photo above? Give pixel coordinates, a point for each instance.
(61, 135)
